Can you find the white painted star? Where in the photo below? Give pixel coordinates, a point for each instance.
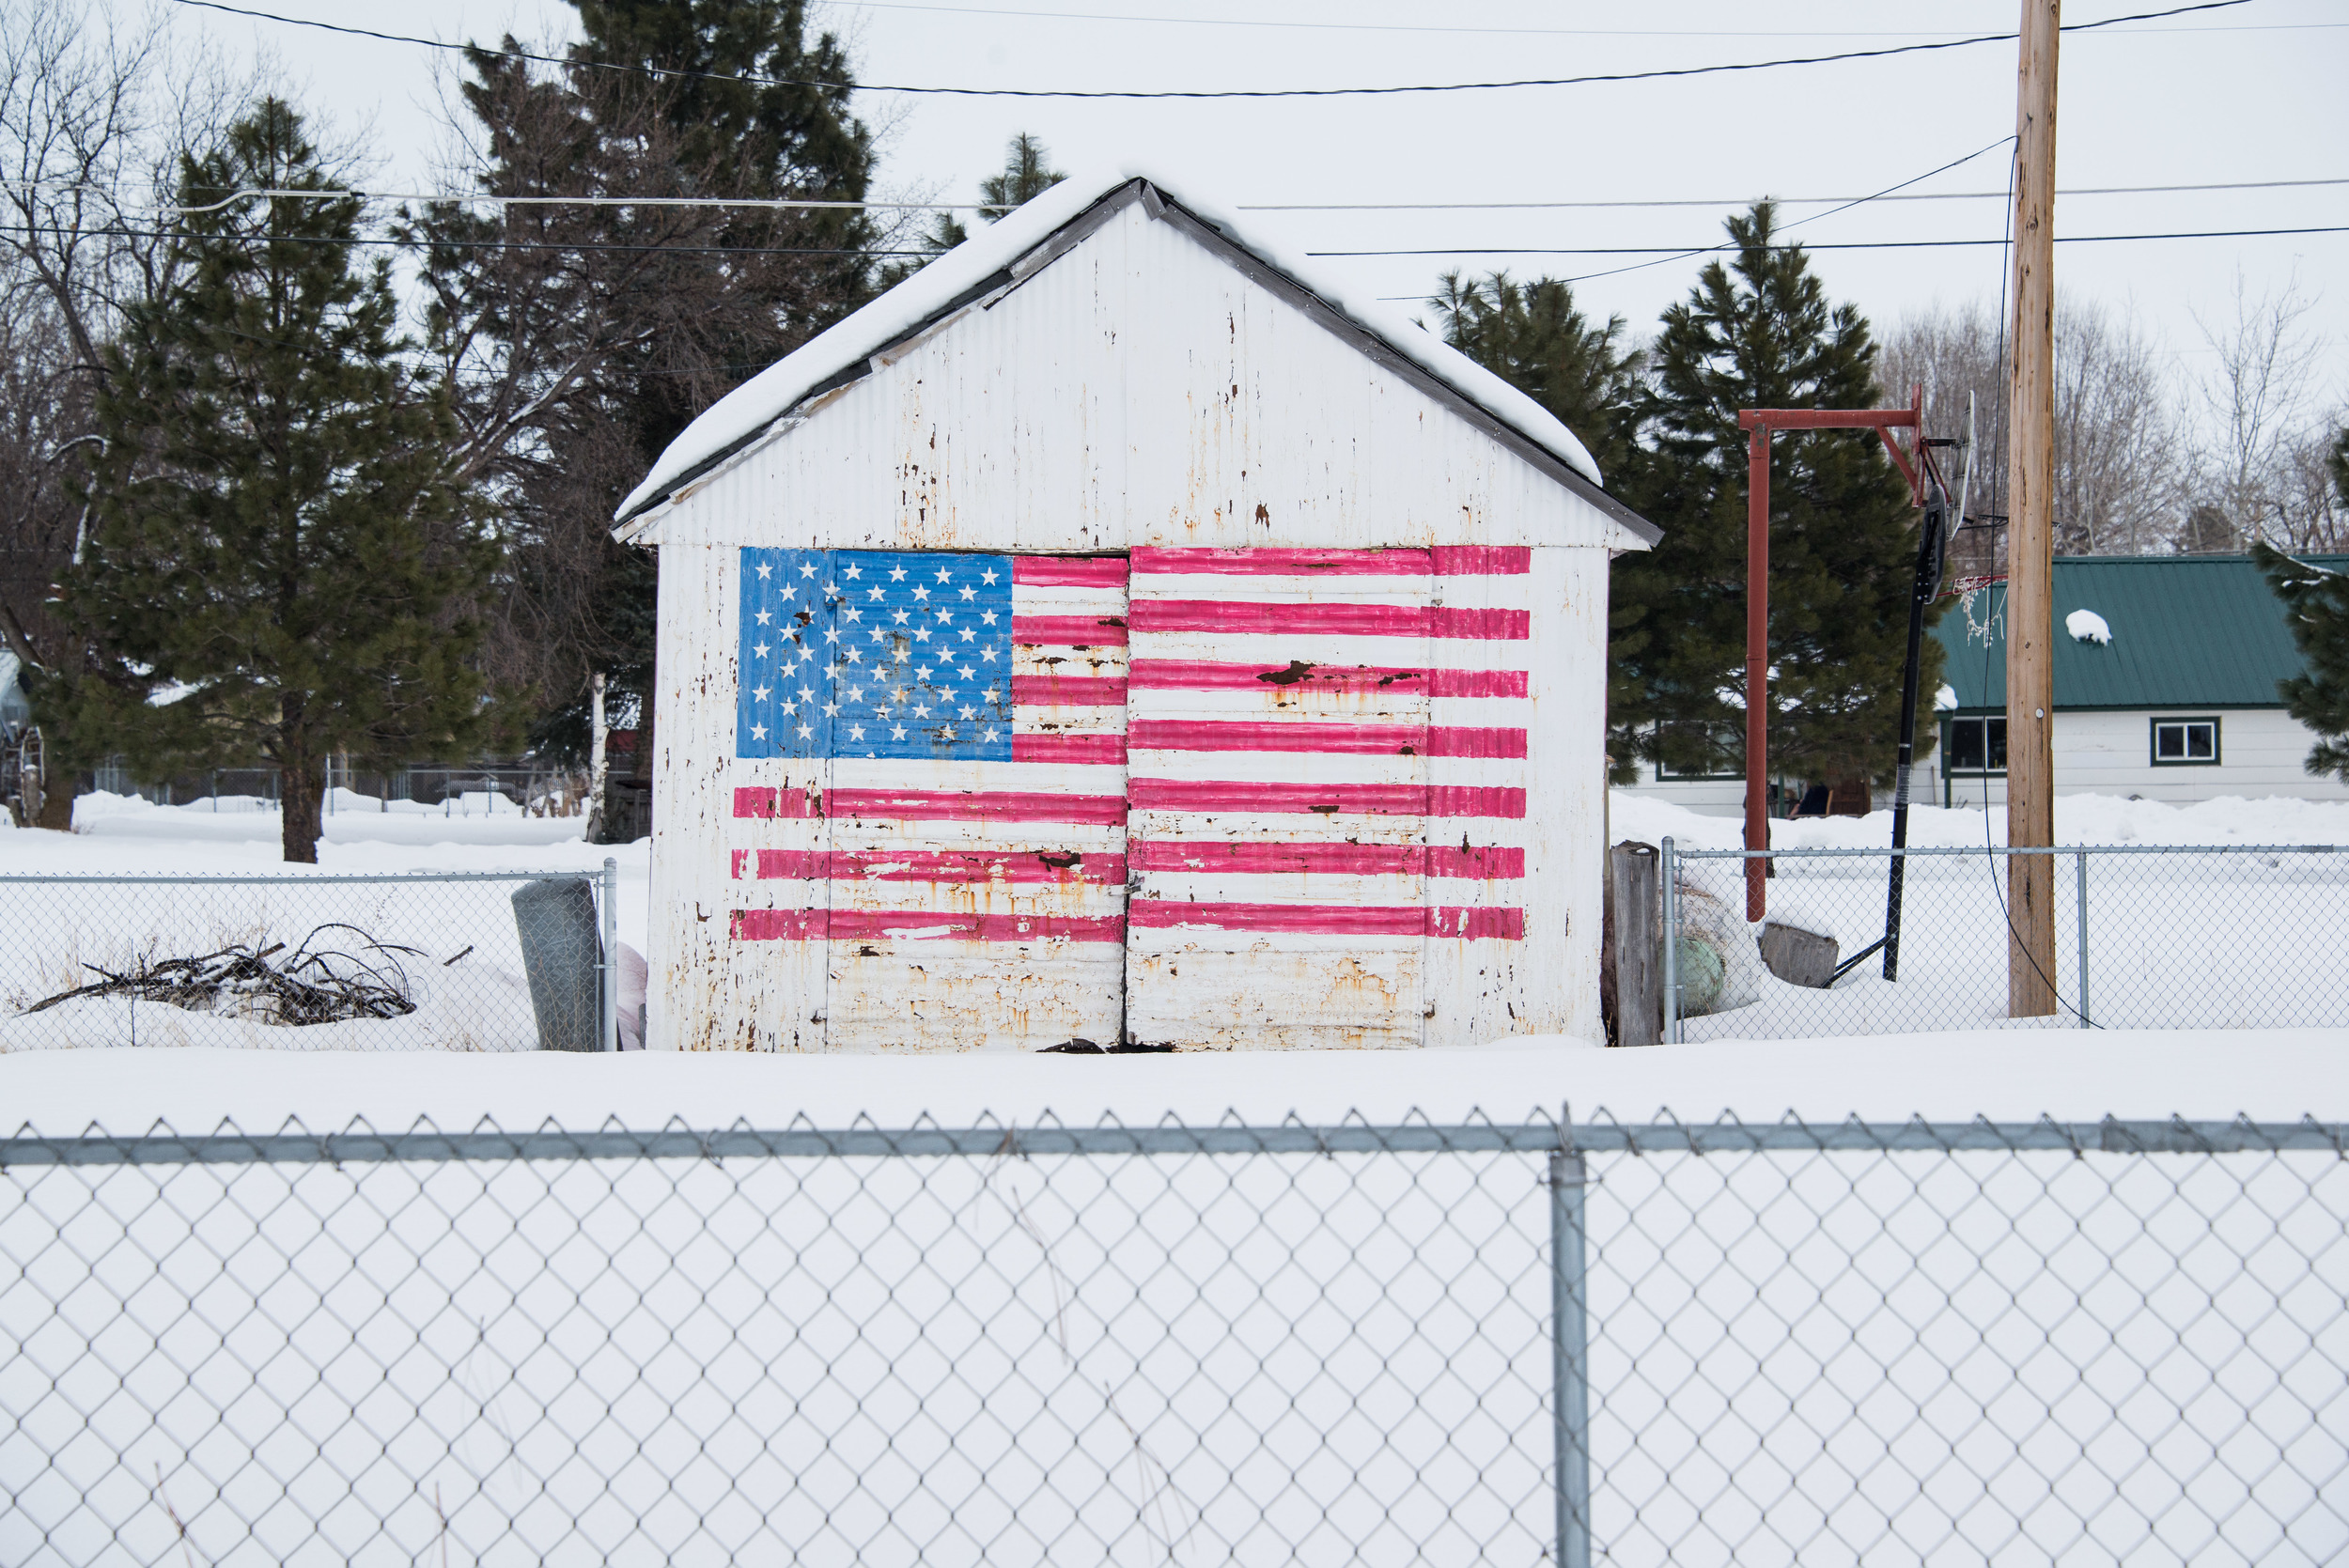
(987, 656)
(968, 634)
(792, 709)
(945, 615)
(760, 650)
(805, 696)
(969, 674)
(921, 592)
(896, 574)
(881, 711)
(852, 612)
(970, 713)
(879, 636)
(969, 593)
(987, 617)
(900, 695)
(855, 572)
(764, 616)
(856, 732)
(808, 571)
(921, 710)
(920, 634)
(832, 634)
(991, 733)
(805, 732)
(765, 570)
(856, 693)
(873, 593)
(759, 692)
(946, 732)
(904, 653)
(942, 574)
(923, 673)
(831, 590)
(988, 577)
(758, 732)
(788, 591)
(854, 657)
(831, 709)
(900, 617)
(946, 696)
(896, 732)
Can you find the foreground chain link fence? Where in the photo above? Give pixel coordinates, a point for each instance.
(2147, 937)
(1637, 1345)
(311, 961)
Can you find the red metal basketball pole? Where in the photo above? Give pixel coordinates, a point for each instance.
(1758, 424)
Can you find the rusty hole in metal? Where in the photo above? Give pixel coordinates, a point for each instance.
(1296, 671)
(1061, 861)
(1330, 810)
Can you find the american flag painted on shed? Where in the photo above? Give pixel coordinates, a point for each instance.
(1327, 756)
(930, 786)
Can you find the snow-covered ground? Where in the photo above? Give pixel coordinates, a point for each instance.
(2079, 819)
(1293, 1359)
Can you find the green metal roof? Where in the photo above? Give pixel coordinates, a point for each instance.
(2188, 631)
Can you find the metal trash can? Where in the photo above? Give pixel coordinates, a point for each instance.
(563, 958)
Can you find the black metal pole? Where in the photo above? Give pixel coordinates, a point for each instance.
(1932, 534)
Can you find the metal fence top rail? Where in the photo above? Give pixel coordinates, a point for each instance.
(1881, 850)
(362, 1146)
(273, 877)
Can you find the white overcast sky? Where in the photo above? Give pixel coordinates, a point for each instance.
(2253, 92)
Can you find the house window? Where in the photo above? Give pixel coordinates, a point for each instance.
(1720, 753)
(1977, 746)
(2186, 742)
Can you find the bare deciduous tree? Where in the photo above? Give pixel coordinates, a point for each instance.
(2260, 464)
(2117, 443)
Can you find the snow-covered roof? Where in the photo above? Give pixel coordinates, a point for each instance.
(946, 283)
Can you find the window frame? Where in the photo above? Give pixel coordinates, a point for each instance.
(2187, 722)
(1948, 749)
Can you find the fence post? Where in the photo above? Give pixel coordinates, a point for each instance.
(608, 975)
(2080, 883)
(1668, 891)
(1570, 1393)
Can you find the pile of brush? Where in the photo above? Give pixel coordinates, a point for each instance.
(312, 983)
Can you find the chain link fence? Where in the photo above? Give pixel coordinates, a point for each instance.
(320, 961)
(1637, 1344)
(2147, 937)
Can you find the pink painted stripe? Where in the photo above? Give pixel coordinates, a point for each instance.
(1069, 571)
(1307, 734)
(1215, 857)
(1333, 620)
(1082, 632)
(1057, 866)
(1325, 798)
(802, 925)
(1445, 559)
(1336, 920)
(1197, 674)
(1067, 691)
(1098, 749)
(970, 805)
(793, 804)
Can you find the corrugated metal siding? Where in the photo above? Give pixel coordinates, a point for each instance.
(1138, 392)
(2188, 631)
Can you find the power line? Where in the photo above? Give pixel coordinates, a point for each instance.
(1782, 201)
(1851, 245)
(1510, 32)
(799, 203)
(458, 244)
(1200, 93)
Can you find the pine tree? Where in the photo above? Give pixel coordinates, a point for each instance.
(2316, 602)
(1533, 336)
(1026, 174)
(1757, 331)
(274, 550)
(581, 340)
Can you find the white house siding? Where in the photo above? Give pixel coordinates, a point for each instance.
(2109, 752)
(1139, 391)
(1705, 796)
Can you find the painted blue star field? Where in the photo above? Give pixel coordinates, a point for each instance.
(869, 653)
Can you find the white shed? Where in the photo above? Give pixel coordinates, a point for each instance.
(1111, 634)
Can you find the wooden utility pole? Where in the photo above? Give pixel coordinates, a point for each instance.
(2030, 533)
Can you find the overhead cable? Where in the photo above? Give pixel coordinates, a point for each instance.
(748, 80)
(1840, 245)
